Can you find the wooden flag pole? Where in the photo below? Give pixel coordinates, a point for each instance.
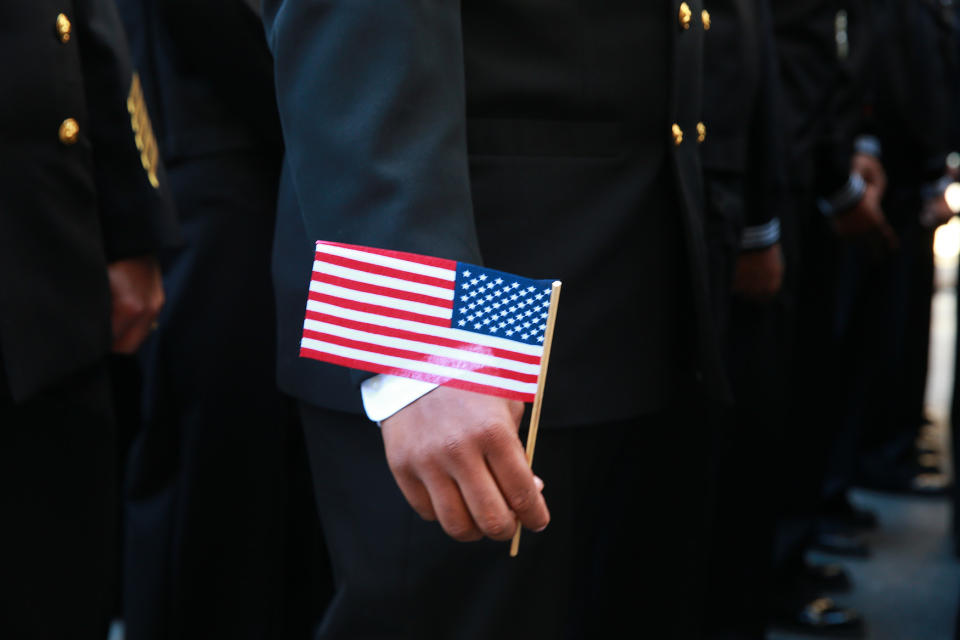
(538, 398)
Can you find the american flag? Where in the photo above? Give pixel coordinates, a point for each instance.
(430, 319)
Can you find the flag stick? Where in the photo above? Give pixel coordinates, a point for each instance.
(538, 399)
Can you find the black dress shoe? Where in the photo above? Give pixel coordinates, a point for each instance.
(825, 578)
(841, 544)
(821, 617)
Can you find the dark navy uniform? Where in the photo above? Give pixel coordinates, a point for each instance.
(80, 187)
(743, 162)
(543, 139)
(222, 538)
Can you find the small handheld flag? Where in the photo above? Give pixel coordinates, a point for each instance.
(430, 319)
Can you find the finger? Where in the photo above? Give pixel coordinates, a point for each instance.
(416, 494)
(482, 496)
(450, 509)
(135, 334)
(517, 484)
(122, 320)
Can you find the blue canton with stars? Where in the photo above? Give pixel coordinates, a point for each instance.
(499, 304)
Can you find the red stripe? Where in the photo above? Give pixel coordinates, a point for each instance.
(379, 310)
(418, 356)
(359, 265)
(422, 337)
(442, 263)
(416, 375)
(381, 291)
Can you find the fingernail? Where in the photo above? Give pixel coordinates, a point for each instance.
(541, 529)
(538, 482)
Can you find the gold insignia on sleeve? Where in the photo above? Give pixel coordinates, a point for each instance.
(143, 131)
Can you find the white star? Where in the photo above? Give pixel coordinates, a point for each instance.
(471, 317)
(463, 310)
(543, 327)
(466, 274)
(483, 276)
(539, 296)
(512, 309)
(526, 325)
(499, 281)
(477, 326)
(493, 329)
(514, 297)
(544, 315)
(540, 339)
(473, 294)
(486, 321)
(510, 332)
(462, 323)
(474, 281)
(465, 285)
(488, 297)
(525, 336)
(531, 289)
(528, 313)
(464, 298)
(511, 320)
(502, 325)
(514, 285)
(473, 305)
(498, 293)
(546, 292)
(496, 305)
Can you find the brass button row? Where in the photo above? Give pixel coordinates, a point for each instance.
(69, 131)
(678, 133)
(686, 17)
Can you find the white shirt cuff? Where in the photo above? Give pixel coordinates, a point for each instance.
(384, 395)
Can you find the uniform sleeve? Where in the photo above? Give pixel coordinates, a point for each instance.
(135, 206)
(765, 176)
(372, 104)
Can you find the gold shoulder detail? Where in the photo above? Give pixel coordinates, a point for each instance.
(143, 131)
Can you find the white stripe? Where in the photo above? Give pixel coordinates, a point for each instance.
(484, 359)
(383, 301)
(382, 281)
(422, 367)
(419, 327)
(387, 261)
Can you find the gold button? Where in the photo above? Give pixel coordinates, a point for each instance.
(64, 28)
(677, 134)
(686, 15)
(701, 132)
(705, 16)
(69, 131)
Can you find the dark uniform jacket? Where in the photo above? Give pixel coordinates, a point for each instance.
(741, 107)
(915, 105)
(206, 94)
(80, 185)
(821, 93)
(542, 138)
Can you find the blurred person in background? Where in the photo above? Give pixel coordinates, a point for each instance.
(83, 210)
(222, 539)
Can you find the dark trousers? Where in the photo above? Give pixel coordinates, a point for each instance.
(623, 555)
(59, 501)
(222, 540)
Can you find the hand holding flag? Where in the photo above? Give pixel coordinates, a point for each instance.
(467, 328)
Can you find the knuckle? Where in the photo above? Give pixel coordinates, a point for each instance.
(496, 528)
(523, 500)
(461, 531)
(492, 435)
(454, 447)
